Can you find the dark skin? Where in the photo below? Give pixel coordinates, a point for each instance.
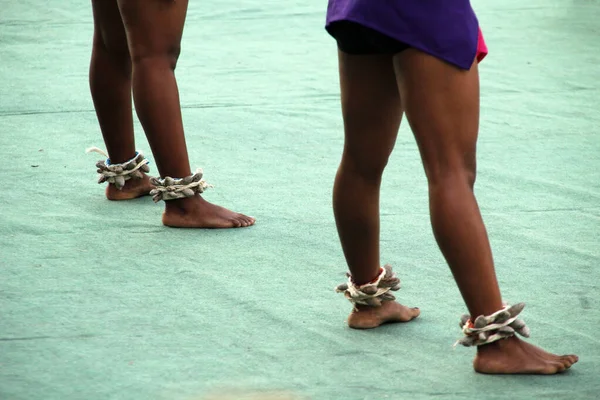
(136, 48)
(441, 103)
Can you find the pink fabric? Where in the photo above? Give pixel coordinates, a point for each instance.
(482, 49)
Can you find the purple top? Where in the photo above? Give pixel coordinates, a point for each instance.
(446, 29)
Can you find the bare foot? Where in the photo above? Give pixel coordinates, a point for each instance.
(367, 317)
(195, 212)
(515, 356)
(133, 188)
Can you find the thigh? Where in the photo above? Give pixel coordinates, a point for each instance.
(371, 106)
(153, 26)
(109, 31)
(442, 106)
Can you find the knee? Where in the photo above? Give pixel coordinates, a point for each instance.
(369, 167)
(164, 56)
(451, 177)
(114, 47)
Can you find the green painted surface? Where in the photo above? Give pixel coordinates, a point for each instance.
(99, 301)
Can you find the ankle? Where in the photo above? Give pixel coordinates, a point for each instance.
(176, 189)
(182, 206)
(360, 280)
(120, 157)
(497, 346)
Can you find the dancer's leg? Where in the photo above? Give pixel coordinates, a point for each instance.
(110, 85)
(372, 112)
(442, 107)
(154, 30)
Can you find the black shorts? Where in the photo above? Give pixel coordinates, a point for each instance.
(354, 38)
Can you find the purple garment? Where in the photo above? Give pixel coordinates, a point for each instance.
(446, 29)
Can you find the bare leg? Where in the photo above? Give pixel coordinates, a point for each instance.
(154, 30)
(110, 85)
(372, 112)
(442, 107)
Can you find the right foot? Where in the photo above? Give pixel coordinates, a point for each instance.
(133, 188)
(195, 212)
(367, 317)
(515, 356)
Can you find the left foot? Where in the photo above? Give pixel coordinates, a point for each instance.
(133, 188)
(195, 212)
(366, 317)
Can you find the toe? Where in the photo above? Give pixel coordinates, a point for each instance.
(568, 361)
(246, 221)
(573, 358)
(561, 367)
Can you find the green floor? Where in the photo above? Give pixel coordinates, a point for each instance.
(99, 301)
